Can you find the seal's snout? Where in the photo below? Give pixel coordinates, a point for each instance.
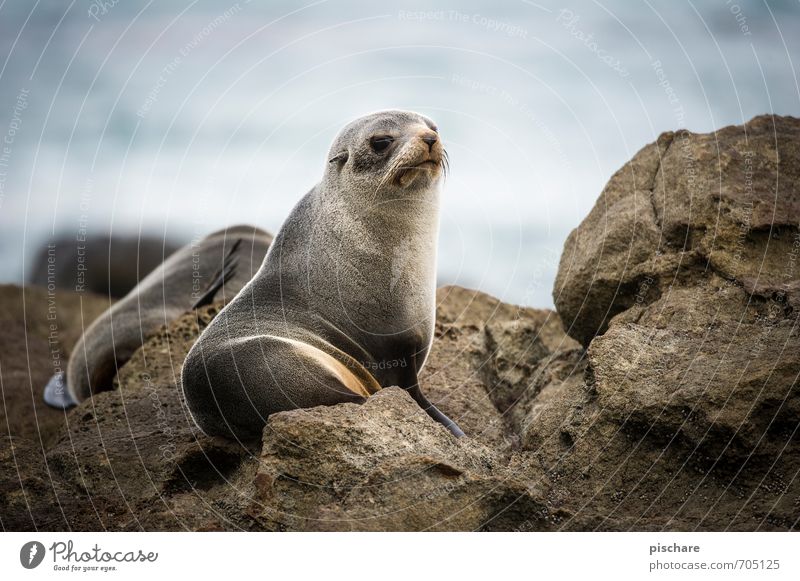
(420, 162)
(430, 152)
(429, 138)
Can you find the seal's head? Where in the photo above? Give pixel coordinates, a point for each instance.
(388, 150)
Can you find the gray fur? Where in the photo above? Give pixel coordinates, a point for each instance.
(344, 302)
(162, 296)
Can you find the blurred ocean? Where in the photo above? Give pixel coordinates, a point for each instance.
(178, 118)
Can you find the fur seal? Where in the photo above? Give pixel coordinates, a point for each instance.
(224, 260)
(344, 303)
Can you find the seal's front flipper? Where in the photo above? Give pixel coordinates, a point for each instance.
(56, 394)
(434, 412)
(224, 273)
(411, 385)
(437, 414)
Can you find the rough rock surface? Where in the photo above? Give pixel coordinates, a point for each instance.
(678, 407)
(38, 329)
(688, 205)
(384, 466)
(683, 283)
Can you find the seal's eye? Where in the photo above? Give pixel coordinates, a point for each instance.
(381, 143)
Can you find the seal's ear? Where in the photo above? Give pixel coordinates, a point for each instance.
(340, 157)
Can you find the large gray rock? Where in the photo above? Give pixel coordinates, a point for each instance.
(683, 283)
(106, 265)
(385, 466)
(687, 205)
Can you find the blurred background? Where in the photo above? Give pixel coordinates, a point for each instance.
(164, 121)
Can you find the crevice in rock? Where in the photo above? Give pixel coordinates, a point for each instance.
(590, 380)
(505, 397)
(721, 454)
(624, 296)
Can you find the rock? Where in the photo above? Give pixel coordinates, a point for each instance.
(727, 202)
(33, 497)
(483, 353)
(38, 329)
(106, 265)
(684, 412)
(711, 362)
(384, 466)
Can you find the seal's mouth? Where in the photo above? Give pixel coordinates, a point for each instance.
(428, 164)
(422, 171)
(425, 171)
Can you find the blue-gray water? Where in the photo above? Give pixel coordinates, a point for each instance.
(182, 117)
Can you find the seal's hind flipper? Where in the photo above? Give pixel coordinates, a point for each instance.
(56, 394)
(224, 273)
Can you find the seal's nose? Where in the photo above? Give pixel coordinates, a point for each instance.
(430, 139)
